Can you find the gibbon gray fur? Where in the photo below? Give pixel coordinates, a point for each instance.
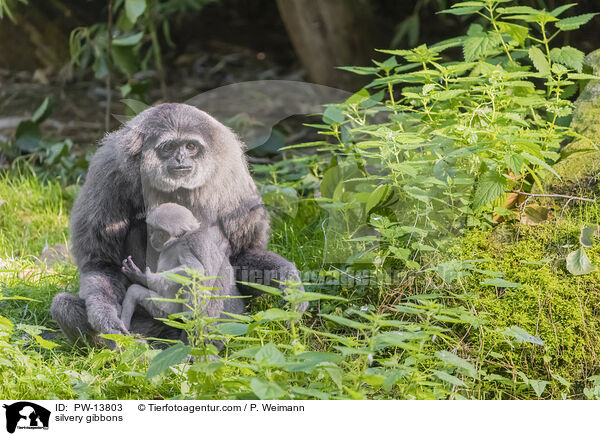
(171, 153)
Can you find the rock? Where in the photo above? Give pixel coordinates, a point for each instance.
(56, 254)
(580, 168)
(586, 116)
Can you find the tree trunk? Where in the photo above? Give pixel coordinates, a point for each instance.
(330, 33)
(40, 36)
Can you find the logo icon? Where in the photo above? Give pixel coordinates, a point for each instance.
(26, 415)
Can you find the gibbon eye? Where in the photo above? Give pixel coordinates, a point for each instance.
(190, 146)
(167, 148)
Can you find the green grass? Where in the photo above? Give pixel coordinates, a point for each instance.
(32, 216)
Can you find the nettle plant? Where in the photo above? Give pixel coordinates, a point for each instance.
(130, 40)
(437, 146)
(45, 157)
(272, 354)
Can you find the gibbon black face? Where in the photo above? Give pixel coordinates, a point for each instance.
(177, 162)
(158, 238)
(180, 155)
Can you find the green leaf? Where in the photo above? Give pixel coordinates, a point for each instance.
(47, 345)
(275, 314)
(379, 194)
(121, 340)
(333, 115)
(519, 10)
(127, 41)
(29, 137)
(449, 378)
(417, 193)
(42, 112)
(100, 67)
(30, 329)
(515, 163)
(586, 238)
(14, 297)
(266, 390)
(538, 386)
(540, 162)
(400, 253)
(450, 271)
(559, 69)
(345, 321)
(522, 336)
(479, 3)
(453, 360)
(135, 105)
(539, 60)
(134, 8)
(562, 380)
(397, 339)
(479, 43)
(310, 393)
(491, 186)
(559, 10)
(467, 10)
(315, 296)
(6, 325)
(575, 22)
(358, 97)
(167, 358)
(126, 90)
(306, 362)
(231, 328)
(500, 283)
(579, 76)
(264, 288)
(515, 31)
(578, 263)
(541, 17)
(335, 373)
(269, 355)
(365, 71)
(388, 64)
(535, 214)
(568, 56)
(374, 380)
(125, 59)
(329, 182)
(449, 94)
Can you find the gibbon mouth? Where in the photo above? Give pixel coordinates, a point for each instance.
(181, 169)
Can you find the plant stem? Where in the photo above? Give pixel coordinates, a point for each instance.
(493, 21)
(108, 66)
(570, 197)
(545, 42)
